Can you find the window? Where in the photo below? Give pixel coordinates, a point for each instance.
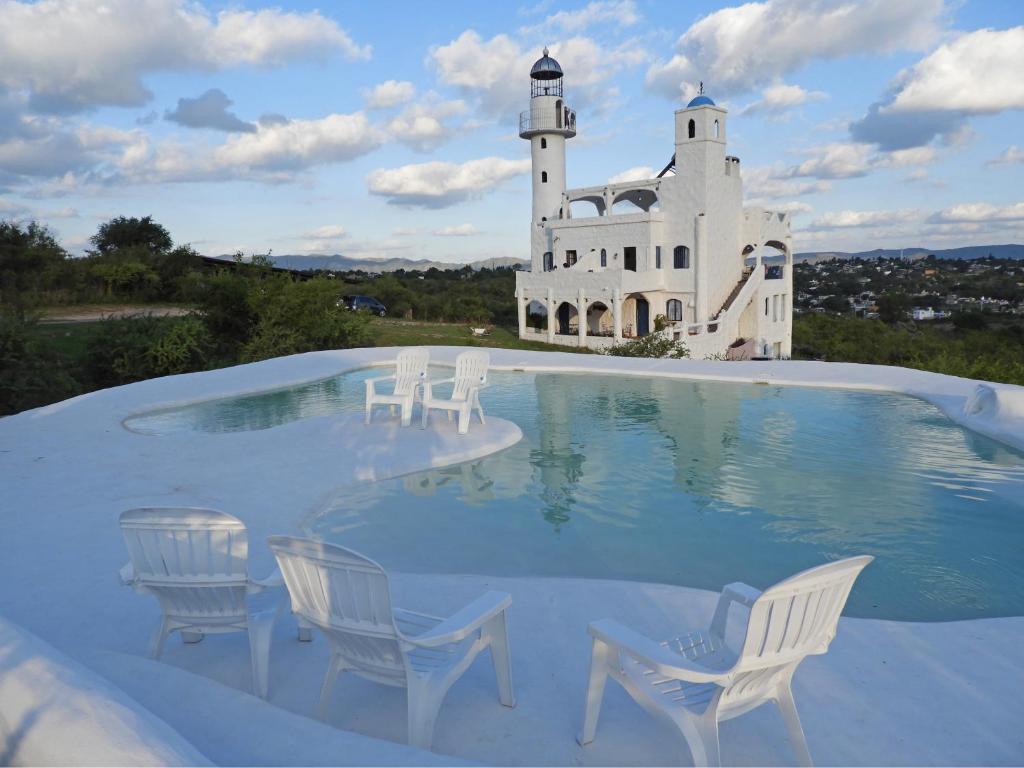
(766, 306)
(693, 129)
(570, 258)
(604, 258)
(629, 258)
(657, 257)
(549, 261)
(543, 177)
(717, 129)
(543, 143)
(674, 309)
(681, 257)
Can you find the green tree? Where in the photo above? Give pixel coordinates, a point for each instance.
(893, 306)
(30, 258)
(121, 232)
(31, 374)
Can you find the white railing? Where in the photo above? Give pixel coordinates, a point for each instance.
(547, 120)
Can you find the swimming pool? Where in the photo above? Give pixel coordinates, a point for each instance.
(690, 483)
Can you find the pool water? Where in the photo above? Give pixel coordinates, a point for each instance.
(690, 483)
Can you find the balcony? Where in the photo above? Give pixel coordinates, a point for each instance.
(534, 121)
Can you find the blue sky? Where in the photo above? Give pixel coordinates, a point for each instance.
(389, 129)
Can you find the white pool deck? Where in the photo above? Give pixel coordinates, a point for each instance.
(886, 693)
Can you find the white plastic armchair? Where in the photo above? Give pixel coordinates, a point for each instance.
(470, 378)
(347, 597)
(410, 372)
(696, 680)
(194, 562)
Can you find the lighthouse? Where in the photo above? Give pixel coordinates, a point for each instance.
(547, 124)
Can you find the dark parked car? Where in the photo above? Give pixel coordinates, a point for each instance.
(365, 303)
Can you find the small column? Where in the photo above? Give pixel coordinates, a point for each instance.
(787, 300)
(700, 261)
(521, 304)
(581, 317)
(617, 314)
(551, 317)
(607, 203)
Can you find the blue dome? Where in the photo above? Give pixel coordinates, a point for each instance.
(700, 101)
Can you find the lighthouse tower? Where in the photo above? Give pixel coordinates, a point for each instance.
(547, 124)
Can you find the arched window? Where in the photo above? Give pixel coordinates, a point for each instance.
(604, 257)
(549, 261)
(681, 257)
(717, 128)
(674, 310)
(693, 129)
(543, 177)
(543, 143)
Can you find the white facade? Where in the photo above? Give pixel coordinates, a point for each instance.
(684, 248)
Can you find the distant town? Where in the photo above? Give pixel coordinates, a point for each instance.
(922, 289)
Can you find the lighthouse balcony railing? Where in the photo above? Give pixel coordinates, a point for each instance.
(534, 120)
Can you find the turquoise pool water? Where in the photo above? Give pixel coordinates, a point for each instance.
(689, 483)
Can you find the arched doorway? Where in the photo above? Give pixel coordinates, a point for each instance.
(643, 316)
(565, 315)
(636, 315)
(599, 319)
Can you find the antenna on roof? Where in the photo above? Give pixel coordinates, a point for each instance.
(700, 91)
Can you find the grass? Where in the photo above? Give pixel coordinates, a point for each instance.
(387, 332)
(69, 340)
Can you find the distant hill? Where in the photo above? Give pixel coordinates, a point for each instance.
(338, 263)
(968, 252)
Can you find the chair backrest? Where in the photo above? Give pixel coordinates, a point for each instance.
(195, 561)
(411, 369)
(791, 620)
(470, 371)
(347, 596)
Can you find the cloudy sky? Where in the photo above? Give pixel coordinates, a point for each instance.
(389, 129)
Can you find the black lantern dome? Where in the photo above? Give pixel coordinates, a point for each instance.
(546, 77)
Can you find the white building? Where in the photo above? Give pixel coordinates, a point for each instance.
(680, 246)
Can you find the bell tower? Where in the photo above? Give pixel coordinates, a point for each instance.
(700, 141)
(547, 124)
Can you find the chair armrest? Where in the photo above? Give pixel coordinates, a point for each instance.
(652, 655)
(464, 622)
(273, 581)
(429, 384)
(127, 575)
(371, 383)
(737, 592)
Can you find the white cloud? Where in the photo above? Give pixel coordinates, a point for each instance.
(275, 152)
(637, 173)
(978, 73)
(978, 213)
(421, 126)
(496, 71)
(743, 47)
(458, 230)
(328, 232)
(850, 160)
(95, 52)
(763, 184)
(622, 13)
(846, 219)
(1012, 155)
(390, 93)
(440, 184)
(781, 97)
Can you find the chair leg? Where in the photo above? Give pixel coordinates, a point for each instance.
(708, 736)
(305, 630)
(796, 732)
(191, 637)
(424, 705)
(425, 415)
(600, 658)
(334, 668)
(501, 658)
(156, 643)
(261, 630)
(407, 413)
(464, 415)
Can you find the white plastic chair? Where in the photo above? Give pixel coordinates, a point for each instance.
(194, 562)
(348, 598)
(410, 372)
(470, 377)
(696, 680)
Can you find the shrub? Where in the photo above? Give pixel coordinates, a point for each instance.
(651, 345)
(30, 374)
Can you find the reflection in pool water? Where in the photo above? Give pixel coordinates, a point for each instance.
(691, 483)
